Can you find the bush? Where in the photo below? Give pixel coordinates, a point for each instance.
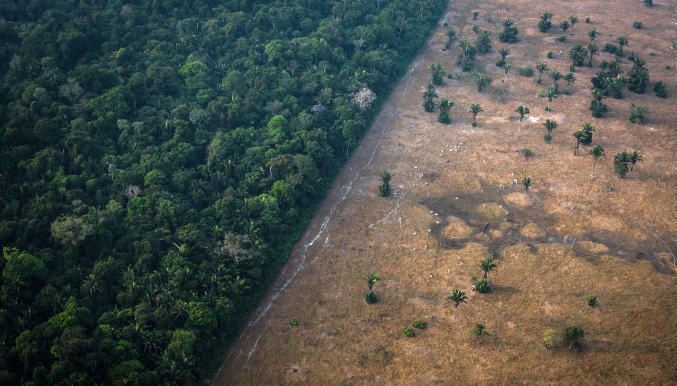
(592, 300)
(500, 63)
(587, 20)
(293, 323)
(371, 297)
(483, 286)
(541, 93)
(549, 55)
(552, 339)
(527, 153)
(637, 113)
(547, 137)
(444, 118)
(479, 329)
(648, 3)
(449, 76)
(420, 325)
(547, 108)
(637, 24)
(659, 89)
(562, 38)
(408, 332)
(526, 71)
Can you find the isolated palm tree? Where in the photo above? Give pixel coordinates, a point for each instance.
(486, 266)
(445, 105)
(506, 67)
(522, 111)
(573, 19)
(371, 279)
(458, 297)
(541, 67)
(596, 152)
(550, 125)
(579, 134)
(475, 109)
(592, 48)
(592, 34)
(622, 41)
(569, 78)
(564, 25)
(526, 182)
(621, 161)
(577, 54)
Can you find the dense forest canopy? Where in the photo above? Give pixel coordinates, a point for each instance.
(158, 159)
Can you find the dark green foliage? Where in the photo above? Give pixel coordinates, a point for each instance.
(573, 334)
(588, 129)
(637, 114)
(637, 24)
(474, 15)
(500, 63)
(597, 108)
(592, 300)
(159, 160)
(659, 89)
(479, 330)
(613, 49)
(420, 325)
(483, 286)
(577, 55)
(384, 191)
(483, 42)
(466, 59)
(509, 33)
(408, 332)
(371, 297)
(621, 162)
(293, 323)
(526, 71)
(549, 55)
(587, 20)
(562, 38)
(458, 297)
(544, 24)
(547, 137)
(444, 105)
(429, 99)
(481, 80)
(648, 3)
(437, 72)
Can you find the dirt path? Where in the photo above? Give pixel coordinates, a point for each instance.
(456, 200)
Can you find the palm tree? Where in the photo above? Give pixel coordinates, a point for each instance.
(541, 67)
(556, 76)
(428, 96)
(589, 129)
(475, 109)
(458, 297)
(526, 181)
(444, 105)
(550, 125)
(451, 34)
(596, 152)
(622, 41)
(569, 78)
(634, 158)
(486, 266)
(564, 25)
(621, 161)
(551, 93)
(384, 188)
(598, 94)
(577, 54)
(573, 19)
(579, 134)
(522, 111)
(593, 34)
(437, 72)
(506, 67)
(504, 53)
(592, 48)
(371, 279)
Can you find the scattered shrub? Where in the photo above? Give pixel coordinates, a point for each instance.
(592, 300)
(552, 339)
(479, 329)
(474, 15)
(547, 108)
(659, 89)
(541, 93)
(408, 332)
(549, 55)
(547, 137)
(587, 20)
(483, 286)
(648, 3)
(562, 38)
(500, 63)
(527, 153)
(293, 323)
(526, 71)
(637, 113)
(420, 325)
(637, 24)
(371, 297)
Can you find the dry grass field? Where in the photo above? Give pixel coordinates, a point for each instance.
(600, 235)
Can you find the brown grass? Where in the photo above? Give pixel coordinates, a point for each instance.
(630, 336)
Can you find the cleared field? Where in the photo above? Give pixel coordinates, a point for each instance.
(457, 200)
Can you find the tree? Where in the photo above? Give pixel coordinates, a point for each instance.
(551, 93)
(428, 99)
(481, 80)
(596, 106)
(509, 33)
(451, 34)
(556, 76)
(506, 67)
(573, 19)
(621, 161)
(541, 67)
(592, 34)
(588, 128)
(483, 42)
(577, 54)
(638, 77)
(622, 42)
(616, 85)
(458, 297)
(437, 73)
(474, 110)
(71, 230)
(235, 84)
(637, 113)
(479, 329)
(552, 339)
(445, 105)
(564, 25)
(504, 52)
(634, 158)
(544, 24)
(371, 279)
(384, 188)
(596, 152)
(592, 48)
(659, 89)
(486, 266)
(570, 78)
(579, 134)
(573, 334)
(550, 125)
(467, 57)
(526, 182)
(522, 111)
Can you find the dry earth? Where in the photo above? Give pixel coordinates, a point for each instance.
(570, 236)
